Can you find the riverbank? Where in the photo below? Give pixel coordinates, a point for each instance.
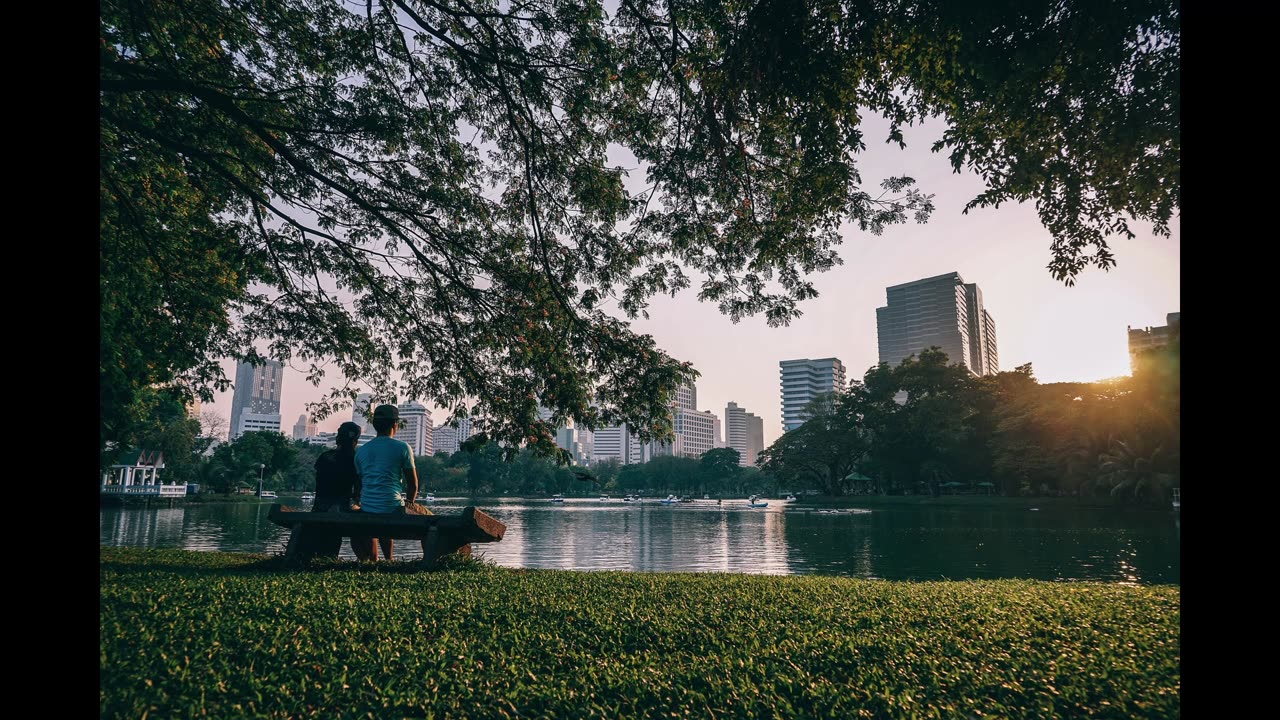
(185, 634)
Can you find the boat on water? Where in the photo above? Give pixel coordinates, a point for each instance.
(670, 500)
(630, 498)
(604, 498)
(268, 495)
(429, 497)
(753, 502)
(790, 498)
(308, 497)
(557, 498)
(1177, 498)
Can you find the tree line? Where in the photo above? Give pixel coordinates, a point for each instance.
(927, 426)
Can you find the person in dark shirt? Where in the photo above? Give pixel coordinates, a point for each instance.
(337, 487)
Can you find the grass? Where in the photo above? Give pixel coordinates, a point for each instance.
(187, 635)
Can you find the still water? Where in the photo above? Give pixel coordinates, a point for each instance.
(892, 543)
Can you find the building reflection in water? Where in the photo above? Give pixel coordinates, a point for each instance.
(899, 543)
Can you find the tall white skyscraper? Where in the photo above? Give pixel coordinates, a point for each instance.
(802, 381)
(745, 433)
(256, 400)
(416, 427)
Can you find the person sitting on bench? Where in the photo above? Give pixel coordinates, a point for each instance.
(388, 478)
(337, 488)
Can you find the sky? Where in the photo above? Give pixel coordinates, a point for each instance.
(1067, 333)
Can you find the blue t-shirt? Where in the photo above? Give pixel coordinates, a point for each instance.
(381, 463)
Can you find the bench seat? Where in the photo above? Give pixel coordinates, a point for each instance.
(440, 534)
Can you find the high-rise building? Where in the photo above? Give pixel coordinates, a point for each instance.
(802, 381)
(1141, 340)
(719, 433)
(620, 443)
(257, 393)
(304, 428)
(687, 398)
(449, 439)
(574, 440)
(360, 412)
(745, 433)
(695, 432)
(415, 428)
(940, 311)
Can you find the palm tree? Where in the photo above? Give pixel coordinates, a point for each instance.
(1131, 469)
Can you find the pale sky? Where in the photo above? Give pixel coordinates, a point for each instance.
(1067, 333)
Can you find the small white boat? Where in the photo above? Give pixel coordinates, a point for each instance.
(670, 500)
(557, 498)
(429, 497)
(791, 498)
(308, 497)
(604, 498)
(1177, 498)
(706, 497)
(751, 502)
(267, 495)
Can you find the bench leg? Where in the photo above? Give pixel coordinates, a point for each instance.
(431, 546)
(294, 551)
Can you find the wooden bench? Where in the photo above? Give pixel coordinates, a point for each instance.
(440, 534)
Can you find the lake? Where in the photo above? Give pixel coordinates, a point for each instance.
(892, 543)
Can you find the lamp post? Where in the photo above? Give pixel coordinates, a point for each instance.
(260, 466)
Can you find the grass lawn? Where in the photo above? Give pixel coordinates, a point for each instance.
(187, 634)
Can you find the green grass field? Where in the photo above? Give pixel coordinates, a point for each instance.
(188, 635)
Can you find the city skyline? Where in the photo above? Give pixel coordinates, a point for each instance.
(1074, 333)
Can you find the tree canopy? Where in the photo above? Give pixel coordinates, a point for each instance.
(424, 189)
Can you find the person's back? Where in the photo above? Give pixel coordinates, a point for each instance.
(381, 464)
(335, 479)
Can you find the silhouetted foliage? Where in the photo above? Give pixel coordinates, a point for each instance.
(425, 187)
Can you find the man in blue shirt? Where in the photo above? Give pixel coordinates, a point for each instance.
(388, 479)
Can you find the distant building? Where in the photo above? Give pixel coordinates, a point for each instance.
(359, 411)
(745, 433)
(695, 432)
(415, 428)
(304, 428)
(449, 439)
(258, 422)
(618, 442)
(939, 311)
(802, 381)
(1141, 340)
(570, 438)
(719, 433)
(324, 439)
(257, 393)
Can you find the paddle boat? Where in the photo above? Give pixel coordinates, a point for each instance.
(790, 498)
(751, 502)
(629, 498)
(308, 497)
(604, 498)
(670, 500)
(429, 497)
(557, 498)
(268, 495)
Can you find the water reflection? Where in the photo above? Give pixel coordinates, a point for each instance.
(909, 543)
